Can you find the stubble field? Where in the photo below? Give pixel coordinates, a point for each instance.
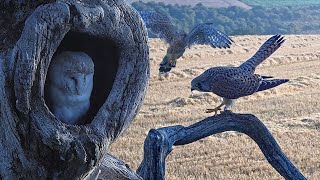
(290, 111)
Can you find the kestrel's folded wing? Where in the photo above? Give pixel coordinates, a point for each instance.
(267, 84)
(207, 34)
(232, 83)
(160, 24)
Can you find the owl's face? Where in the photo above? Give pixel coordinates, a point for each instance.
(70, 78)
(76, 85)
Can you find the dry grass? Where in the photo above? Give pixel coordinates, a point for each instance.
(291, 112)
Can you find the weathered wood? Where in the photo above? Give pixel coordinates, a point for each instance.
(36, 145)
(13, 15)
(112, 168)
(159, 143)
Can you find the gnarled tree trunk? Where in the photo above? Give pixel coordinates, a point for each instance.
(36, 145)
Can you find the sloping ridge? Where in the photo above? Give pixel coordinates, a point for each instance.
(208, 3)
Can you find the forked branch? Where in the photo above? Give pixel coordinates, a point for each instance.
(159, 143)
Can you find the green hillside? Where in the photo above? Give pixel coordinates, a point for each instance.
(273, 3)
(207, 3)
(239, 21)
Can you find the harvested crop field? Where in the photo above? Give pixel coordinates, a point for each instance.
(290, 111)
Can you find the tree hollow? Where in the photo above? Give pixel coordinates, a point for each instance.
(105, 56)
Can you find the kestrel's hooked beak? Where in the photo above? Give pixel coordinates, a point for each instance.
(192, 89)
(195, 86)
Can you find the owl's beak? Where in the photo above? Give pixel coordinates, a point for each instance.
(80, 84)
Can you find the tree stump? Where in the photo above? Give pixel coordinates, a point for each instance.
(35, 144)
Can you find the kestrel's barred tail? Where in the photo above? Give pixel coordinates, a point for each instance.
(267, 84)
(269, 47)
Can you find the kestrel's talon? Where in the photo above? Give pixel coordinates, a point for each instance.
(226, 112)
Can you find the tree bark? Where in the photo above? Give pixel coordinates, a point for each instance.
(159, 143)
(36, 145)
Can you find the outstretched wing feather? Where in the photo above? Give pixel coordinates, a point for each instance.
(160, 24)
(206, 33)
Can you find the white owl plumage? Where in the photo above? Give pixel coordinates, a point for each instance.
(69, 86)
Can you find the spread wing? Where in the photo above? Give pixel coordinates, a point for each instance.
(207, 34)
(160, 24)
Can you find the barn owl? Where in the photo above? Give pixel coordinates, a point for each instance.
(178, 41)
(230, 83)
(69, 86)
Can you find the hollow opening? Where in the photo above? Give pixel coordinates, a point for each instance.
(105, 56)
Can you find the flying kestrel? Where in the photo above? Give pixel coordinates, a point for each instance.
(230, 83)
(205, 33)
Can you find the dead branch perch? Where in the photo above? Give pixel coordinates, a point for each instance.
(159, 142)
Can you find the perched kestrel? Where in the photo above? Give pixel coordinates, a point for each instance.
(230, 83)
(206, 33)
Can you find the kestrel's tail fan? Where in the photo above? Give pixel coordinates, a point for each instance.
(269, 47)
(267, 84)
